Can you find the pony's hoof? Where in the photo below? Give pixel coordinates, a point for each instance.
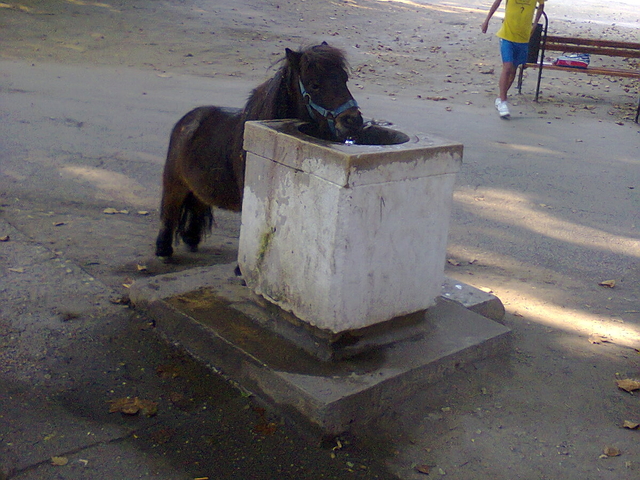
(163, 251)
(167, 259)
(192, 248)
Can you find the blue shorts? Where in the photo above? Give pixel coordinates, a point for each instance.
(512, 52)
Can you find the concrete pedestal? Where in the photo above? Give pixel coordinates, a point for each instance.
(210, 314)
(345, 236)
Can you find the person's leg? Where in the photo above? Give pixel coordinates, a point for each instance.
(507, 77)
(513, 54)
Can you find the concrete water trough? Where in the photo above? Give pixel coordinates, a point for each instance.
(345, 236)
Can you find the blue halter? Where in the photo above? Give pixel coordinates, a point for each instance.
(330, 115)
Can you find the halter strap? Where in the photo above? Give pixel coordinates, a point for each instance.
(330, 115)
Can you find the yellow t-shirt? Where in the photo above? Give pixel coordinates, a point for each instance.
(518, 16)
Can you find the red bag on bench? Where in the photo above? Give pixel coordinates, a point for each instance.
(575, 60)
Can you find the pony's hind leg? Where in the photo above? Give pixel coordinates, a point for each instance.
(174, 195)
(196, 220)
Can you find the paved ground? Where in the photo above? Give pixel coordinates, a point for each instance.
(546, 207)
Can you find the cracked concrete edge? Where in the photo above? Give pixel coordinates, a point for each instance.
(474, 299)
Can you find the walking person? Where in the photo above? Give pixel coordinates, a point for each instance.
(514, 37)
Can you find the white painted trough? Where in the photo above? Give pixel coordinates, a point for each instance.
(346, 236)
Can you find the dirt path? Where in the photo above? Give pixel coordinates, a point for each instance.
(424, 50)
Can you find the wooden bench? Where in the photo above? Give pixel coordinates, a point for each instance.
(541, 42)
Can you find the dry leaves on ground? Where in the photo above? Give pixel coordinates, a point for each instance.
(597, 339)
(628, 385)
(59, 461)
(608, 283)
(132, 406)
(611, 452)
(113, 211)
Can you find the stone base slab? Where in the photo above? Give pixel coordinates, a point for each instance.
(208, 312)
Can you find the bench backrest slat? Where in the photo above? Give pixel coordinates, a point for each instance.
(589, 41)
(595, 50)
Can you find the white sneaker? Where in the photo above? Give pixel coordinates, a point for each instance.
(503, 108)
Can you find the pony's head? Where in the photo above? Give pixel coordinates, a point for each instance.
(322, 80)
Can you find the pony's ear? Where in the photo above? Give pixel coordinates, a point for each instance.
(293, 58)
(324, 43)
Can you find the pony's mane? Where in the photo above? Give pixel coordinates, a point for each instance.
(273, 98)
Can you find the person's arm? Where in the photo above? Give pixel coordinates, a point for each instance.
(539, 11)
(492, 10)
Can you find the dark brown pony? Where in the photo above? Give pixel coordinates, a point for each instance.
(205, 162)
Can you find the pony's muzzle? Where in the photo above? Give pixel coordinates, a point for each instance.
(348, 123)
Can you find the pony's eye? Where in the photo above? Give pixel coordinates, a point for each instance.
(315, 86)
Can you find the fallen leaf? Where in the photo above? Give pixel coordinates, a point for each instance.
(141, 268)
(630, 425)
(59, 461)
(17, 270)
(455, 263)
(628, 385)
(113, 211)
(597, 339)
(612, 452)
(124, 405)
(132, 406)
(5, 238)
(423, 469)
(124, 300)
(58, 224)
(608, 283)
(143, 212)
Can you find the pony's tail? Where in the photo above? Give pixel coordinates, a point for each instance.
(196, 220)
